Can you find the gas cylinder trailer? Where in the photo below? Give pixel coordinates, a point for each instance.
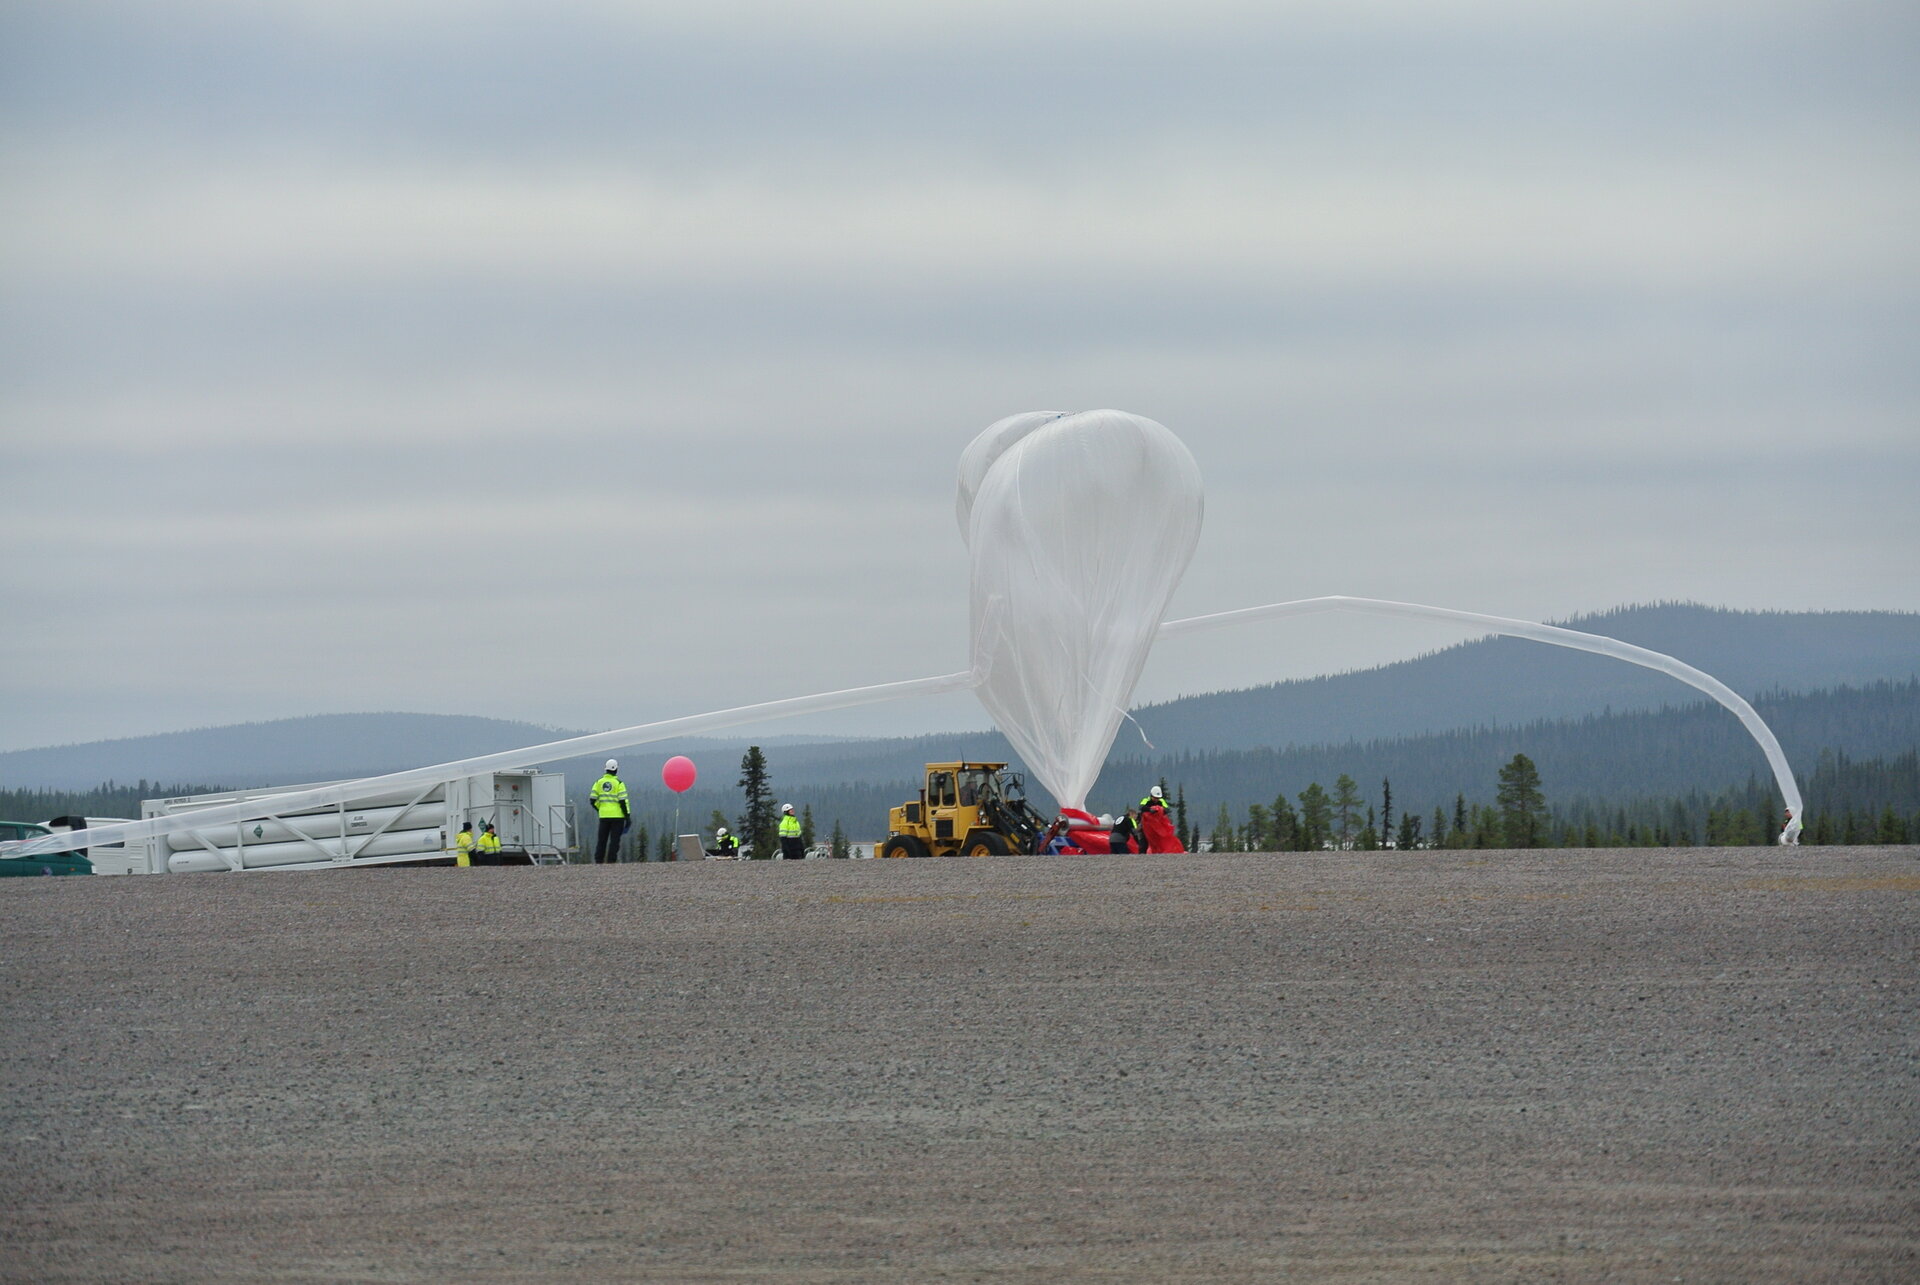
(416, 826)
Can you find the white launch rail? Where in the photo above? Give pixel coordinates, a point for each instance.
(529, 811)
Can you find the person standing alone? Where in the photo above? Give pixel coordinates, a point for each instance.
(610, 803)
(792, 846)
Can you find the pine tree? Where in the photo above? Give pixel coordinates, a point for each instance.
(756, 824)
(1409, 836)
(1370, 832)
(837, 845)
(1316, 818)
(1221, 840)
(1460, 835)
(806, 825)
(1346, 808)
(1523, 808)
(1189, 838)
(1439, 826)
(1386, 813)
(1286, 827)
(1259, 834)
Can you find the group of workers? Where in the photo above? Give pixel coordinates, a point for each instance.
(609, 796)
(466, 843)
(1148, 828)
(793, 844)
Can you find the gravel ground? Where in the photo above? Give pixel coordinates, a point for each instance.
(1617, 1065)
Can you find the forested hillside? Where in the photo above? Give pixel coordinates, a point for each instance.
(1603, 760)
(1507, 681)
(1602, 732)
(1638, 775)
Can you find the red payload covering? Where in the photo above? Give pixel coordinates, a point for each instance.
(1157, 826)
(1084, 831)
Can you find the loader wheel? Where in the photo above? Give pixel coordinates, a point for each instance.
(986, 843)
(903, 845)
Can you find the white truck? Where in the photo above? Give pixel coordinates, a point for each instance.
(529, 811)
(107, 858)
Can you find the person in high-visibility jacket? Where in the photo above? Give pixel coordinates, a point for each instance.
(489, 846)
(1157, 832)
(610, 803)
(724, 845)
(463, 845)
(792, 847)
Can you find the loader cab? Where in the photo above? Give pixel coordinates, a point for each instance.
(963, 808)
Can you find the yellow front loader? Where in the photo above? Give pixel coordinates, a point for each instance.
(965, 809)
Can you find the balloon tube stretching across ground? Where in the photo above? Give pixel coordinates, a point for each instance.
(601, 742)
(504, 761)
(642, 734)
(1596, 643)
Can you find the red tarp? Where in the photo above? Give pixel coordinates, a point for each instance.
(1158, 829)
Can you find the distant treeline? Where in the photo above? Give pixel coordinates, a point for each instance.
(1849, 801)
(108, 799)
(1592, 767)
(1874, 801)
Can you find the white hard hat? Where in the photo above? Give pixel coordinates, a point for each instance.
(722, 830)
(613, 765)
(1155, 792)
(786, 807)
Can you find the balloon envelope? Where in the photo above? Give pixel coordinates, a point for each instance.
(679, 774)
(1078, 527)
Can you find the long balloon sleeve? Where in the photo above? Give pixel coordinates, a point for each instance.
(1755, 725)
(505, 761)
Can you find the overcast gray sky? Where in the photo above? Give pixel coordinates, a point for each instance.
(591, 362)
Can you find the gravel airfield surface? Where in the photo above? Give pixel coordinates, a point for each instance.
(1646, 1065)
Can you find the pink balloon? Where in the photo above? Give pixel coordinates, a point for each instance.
(679, 774)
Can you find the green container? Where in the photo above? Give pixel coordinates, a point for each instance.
(57, 863)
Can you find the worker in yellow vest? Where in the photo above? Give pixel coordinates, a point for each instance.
(463, 845)
(489, 846)
(791, 846)
(609, 797)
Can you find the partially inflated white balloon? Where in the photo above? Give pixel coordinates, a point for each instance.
(1078, 527)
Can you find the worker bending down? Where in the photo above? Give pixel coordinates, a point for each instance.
(725, 845)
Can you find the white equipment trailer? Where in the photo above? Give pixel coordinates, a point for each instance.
(529, 811)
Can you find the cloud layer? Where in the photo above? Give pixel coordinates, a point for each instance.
(600, 362)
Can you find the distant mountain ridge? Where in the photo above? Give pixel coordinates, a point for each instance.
(1505, 681)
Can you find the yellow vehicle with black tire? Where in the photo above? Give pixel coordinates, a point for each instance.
(965, 809)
